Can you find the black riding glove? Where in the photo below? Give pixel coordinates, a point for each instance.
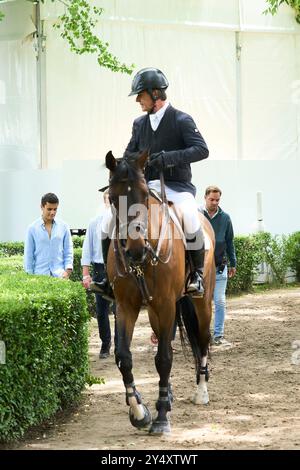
(159, 161)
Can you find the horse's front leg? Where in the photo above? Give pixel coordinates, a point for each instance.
(163, 363)
(139, 414)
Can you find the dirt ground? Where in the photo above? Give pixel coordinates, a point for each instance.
(254, 388)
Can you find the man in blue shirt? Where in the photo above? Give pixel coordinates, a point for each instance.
(48, 246)
(92, 255)
(224, 252)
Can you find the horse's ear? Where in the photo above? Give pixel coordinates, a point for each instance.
(110, 161)
(142, 159)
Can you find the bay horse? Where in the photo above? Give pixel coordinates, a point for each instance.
(149, 269)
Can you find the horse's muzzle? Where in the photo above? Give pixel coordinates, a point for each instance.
(136, 255)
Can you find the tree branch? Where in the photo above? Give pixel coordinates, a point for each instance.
(77, 26)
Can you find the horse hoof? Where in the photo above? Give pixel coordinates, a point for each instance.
(160, 427)
(202, 399)
(141, 423)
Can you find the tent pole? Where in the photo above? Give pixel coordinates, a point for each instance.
(41, 88)
(238, 48)
(239, 130)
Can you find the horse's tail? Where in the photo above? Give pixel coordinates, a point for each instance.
(189, 331)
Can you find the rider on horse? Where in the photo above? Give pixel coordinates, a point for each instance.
(174, 142)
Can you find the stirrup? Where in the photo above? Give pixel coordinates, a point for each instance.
(196, 288)
(98, 287)
(195, 292)
(102, 288)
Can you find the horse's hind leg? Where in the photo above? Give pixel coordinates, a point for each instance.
(201, 396)
(196, 318)
(139, 414)
(163, 363)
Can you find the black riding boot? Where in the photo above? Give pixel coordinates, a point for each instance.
(103, 287)
(196, 285)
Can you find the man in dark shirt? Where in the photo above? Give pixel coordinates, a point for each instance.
(224, 251)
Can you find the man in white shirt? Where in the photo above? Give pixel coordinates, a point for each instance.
(92, 255)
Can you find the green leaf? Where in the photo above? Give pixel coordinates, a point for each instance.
(273, 6)
(77, 25)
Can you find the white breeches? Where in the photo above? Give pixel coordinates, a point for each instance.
(185, 206)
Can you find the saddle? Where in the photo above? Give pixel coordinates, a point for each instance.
(178, 219)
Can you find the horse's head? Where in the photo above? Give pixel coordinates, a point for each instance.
(128, 194)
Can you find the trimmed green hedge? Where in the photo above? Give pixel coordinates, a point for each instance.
(77, 276)
(11, 248)
(17, 248)
(248, 256)
(15, 263)
(44, 325)
(11, 264)
(77, 241)
(293, 249)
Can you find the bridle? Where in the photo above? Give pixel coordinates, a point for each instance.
(152, 254)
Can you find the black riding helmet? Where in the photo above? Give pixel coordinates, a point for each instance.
(148, 79)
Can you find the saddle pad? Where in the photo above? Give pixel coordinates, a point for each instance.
(178, 220)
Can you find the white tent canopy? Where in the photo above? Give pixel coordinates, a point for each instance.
(236, 71)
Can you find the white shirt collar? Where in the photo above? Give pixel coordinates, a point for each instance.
(157, 117)
(43, 222)
(216, 213)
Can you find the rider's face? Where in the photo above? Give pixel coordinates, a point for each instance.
(145, 101)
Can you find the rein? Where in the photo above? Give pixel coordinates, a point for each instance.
(165, 224)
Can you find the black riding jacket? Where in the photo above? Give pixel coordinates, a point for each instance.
(178, 136)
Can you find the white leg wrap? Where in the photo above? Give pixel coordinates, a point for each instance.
(136, 408)
(201, 396)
